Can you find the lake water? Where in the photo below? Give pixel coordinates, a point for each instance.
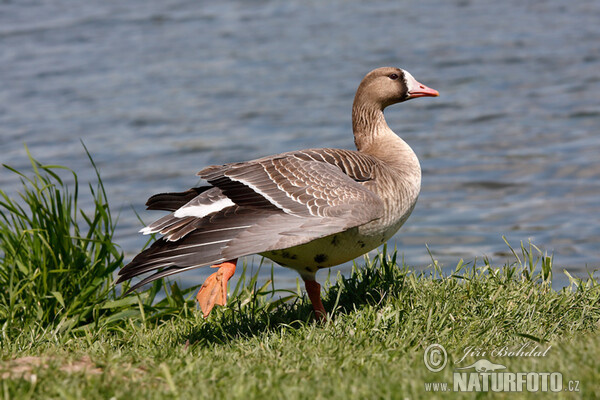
(159, 89)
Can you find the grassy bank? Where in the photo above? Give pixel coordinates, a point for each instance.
(372, 348)
(66, 333)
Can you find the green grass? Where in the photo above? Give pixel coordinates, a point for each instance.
(372, 348)
(264, 343)
(57, 261)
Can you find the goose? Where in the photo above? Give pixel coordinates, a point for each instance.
(305, 210)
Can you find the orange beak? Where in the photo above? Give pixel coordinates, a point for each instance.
(421, 90)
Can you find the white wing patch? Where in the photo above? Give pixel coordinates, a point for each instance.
(198, 211)
(203, 210)
(146, 230)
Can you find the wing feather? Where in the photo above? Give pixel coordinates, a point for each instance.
(262, 205)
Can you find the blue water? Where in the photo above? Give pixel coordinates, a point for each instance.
(159, 89)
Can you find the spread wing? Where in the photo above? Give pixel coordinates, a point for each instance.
(266, 204)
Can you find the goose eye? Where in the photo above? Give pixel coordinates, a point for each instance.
(393, 77)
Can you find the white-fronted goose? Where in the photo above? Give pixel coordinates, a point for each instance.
(306, 209)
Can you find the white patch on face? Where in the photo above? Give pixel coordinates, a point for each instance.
(411, 83)
(203, 210)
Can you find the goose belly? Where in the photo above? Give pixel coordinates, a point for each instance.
(331, 250)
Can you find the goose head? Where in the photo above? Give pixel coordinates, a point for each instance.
(385, 86)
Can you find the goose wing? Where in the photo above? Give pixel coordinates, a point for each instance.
(261, 205)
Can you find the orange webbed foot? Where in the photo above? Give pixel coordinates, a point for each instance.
(214, 288)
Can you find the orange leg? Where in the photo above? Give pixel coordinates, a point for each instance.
(313, 289)
(214, 288)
